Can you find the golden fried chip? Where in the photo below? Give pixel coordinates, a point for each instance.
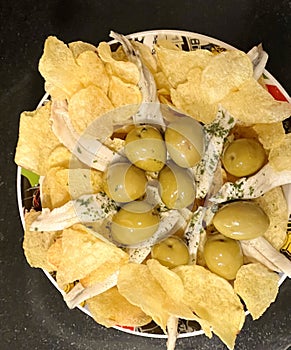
(270, 135)
(190, 99)
(252, 104)
(59, 69)
(101, 274)
(93, 70)
(86, 106)
(54, 253)
(121, 93)
(172, 284)
(226, 72)
(83, 253)
(162, 81)
(36, 244)
(59, 157)
(125, 70)
(61, 185)
(280, 155)
(275, 206)
(176, 64)
(140, 288)
(213, 299)
(36, 140)
(111, 308)
(78, 47)
(169, 281)
(257, 286)
(146, 56)
(119, 54)
(241, 131)
(167, 44)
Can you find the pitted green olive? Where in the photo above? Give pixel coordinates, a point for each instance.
(123, 182)
(241, 220)
(185, 141)
(176, 186)
(223, 256)
(171, 252)
(134, 223)
(243, 157)
(145, 148)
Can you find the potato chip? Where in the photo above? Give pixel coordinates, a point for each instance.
(54, 91)
(252, 104)
(242, 131)
(225, 73)
(58, 67)
(60, 157)
(280, 155)
(121, 93)
(93, 70)
(169, 281)
(36, 244)
(140, 288)
(119, 54)
(176, 64)
(257, 286)
(213, 299)
(172, 284)
(125, 70)
(83, 253)
(162, 81)
(274, 205)
(111, 308)
(54, 253)
(78, 47)
(164, 43)
(101, 274)
(36, 140)
(270, 135)
(86, 105)
(190, 98)
(61, 185)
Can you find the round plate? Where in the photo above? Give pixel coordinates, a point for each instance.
(186, 41)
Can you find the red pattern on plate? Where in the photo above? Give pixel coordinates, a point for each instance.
(276, 93)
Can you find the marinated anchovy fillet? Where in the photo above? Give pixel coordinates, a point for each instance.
(172, 330)
(87, 208)
(193, 232)
(79, 294)
(253, 187)
(87, 149)
(259, 58)
(264, 248)
(138, 255)
(149, 111)
(215, 135)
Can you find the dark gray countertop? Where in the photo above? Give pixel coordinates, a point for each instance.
(32, 313)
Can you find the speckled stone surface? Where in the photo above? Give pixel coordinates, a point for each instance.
(32, 313)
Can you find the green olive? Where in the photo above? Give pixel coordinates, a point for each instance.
(185, 141)
(134, 223)
(243, 157)
(223, 256)
(171, 252)
(145, 148)
(241, 220)
(176, 186)
(123, 182)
